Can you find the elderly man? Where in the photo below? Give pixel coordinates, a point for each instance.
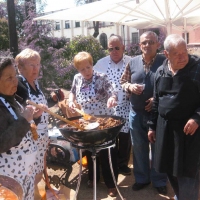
(138, 80)
(113, 66)
(175, 118)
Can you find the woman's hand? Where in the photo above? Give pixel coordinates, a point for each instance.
(28, 113)
(71, 105)
(111, 102)
(38, 112)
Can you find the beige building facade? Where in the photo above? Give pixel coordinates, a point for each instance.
(70, 29)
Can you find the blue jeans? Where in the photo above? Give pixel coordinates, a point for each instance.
(143, 170)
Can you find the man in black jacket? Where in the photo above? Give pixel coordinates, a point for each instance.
(175, 118)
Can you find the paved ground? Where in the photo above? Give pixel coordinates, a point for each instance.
(124, 184)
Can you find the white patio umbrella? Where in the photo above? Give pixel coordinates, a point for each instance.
(135, 13)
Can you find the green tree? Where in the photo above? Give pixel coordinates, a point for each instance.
(4, 37)
(85, 43)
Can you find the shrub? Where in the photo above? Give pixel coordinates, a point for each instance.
(85, 43)
(4, 37)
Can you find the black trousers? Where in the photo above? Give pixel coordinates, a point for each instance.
(102, 159)
(185, 188)
(123, 148)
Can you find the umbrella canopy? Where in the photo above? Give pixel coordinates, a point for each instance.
(136, 13)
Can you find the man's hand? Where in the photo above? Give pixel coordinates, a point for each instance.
(152, 136)
(190, 127)
(136, 88)
(149, 102)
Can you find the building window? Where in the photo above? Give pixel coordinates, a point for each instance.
(77, 24)
(67, 25)
(135, 38)
(103, 40)
(57, 25)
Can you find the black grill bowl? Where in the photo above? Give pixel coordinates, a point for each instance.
(92, 137)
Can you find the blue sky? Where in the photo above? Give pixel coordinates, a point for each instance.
(58, 4)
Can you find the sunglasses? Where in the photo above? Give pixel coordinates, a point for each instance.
(150, 42)
(111, 49)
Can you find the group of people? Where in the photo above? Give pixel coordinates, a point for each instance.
(21, 153)
(109, 88)
(158, 95)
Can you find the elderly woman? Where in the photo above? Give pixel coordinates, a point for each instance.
(95, 94)
(28, 64)
(17, 147)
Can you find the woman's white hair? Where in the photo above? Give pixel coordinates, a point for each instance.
(173, 40)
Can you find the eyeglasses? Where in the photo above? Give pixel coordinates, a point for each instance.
(111, 49)
(150, 42)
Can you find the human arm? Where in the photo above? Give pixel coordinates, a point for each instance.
(108, 91)
(72, 94)
(71, 101)
(152, 122)
(194, 122)
(152, 107)
(126, 84)
(12, 131)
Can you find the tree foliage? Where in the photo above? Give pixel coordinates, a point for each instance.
(56, 53)
(85, 43)
(4, 37)
(54, 67)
